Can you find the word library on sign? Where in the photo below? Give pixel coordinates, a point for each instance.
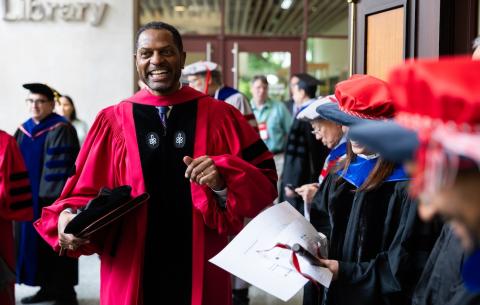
(35, 10)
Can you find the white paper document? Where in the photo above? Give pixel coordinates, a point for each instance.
(253, 255)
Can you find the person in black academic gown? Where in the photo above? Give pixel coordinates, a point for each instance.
(49, 145)
(304, 155)
(378, 245)
(332, 136)
(441, 281)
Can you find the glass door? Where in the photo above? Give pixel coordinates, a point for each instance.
(200, 48)
(277, 59)
(241, 58)
(275, 66)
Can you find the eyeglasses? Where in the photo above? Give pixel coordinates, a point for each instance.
(38, 101)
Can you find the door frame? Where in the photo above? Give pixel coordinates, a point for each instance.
(433, 28)
(366, 9)
(223, 47)
(458, 26)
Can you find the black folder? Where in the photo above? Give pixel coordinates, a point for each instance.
(106, 208)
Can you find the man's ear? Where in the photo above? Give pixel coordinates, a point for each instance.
(302, 92)
(183, 57)
(52, 104)
(136, 64)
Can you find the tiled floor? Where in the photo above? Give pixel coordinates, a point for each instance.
(258, 297)
(88, 289)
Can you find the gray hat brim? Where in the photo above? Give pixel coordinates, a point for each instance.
(392, 141)
(332, 112)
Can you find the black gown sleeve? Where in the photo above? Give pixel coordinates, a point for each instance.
(441, 281)
(319, 214)
(464, 297)
(393, 273)
(60, 152)
(18, 136)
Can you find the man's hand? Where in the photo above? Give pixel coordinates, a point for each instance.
(331, 265)
(307, 191)
(68, 241)
(202, 170)
(289, 193)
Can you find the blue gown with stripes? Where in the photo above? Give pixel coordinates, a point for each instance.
(49, 149)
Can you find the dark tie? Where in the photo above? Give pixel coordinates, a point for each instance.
(162, 112)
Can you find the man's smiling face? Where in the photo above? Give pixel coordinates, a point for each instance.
(159, 61)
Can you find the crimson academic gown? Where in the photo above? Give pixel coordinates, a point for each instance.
(15, 204)
(110, 157)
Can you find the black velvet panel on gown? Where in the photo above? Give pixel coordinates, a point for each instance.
(168, 248)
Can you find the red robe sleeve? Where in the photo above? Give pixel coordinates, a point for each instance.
(249, 171)
(99, 164)
(15, 191)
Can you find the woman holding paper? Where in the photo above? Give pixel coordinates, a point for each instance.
(378, 245)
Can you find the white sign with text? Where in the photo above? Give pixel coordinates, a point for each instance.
(70, 11)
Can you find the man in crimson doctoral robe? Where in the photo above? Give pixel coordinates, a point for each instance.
(203, 165)
(15, 204)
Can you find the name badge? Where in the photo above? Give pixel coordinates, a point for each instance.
(262, 127)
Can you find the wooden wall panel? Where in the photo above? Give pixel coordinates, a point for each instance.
(385, 41)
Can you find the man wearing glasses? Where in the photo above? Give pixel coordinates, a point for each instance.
(49, 145)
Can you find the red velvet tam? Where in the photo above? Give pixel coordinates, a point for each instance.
(430, 93)
(440, 100)
(366, 97)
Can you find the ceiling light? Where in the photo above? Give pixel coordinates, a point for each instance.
(180, 8)
(286, 4)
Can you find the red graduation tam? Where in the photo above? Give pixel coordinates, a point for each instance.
(439, 99)
(366, 97)
(442, 92)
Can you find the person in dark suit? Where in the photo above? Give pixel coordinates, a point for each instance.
(304, 155)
